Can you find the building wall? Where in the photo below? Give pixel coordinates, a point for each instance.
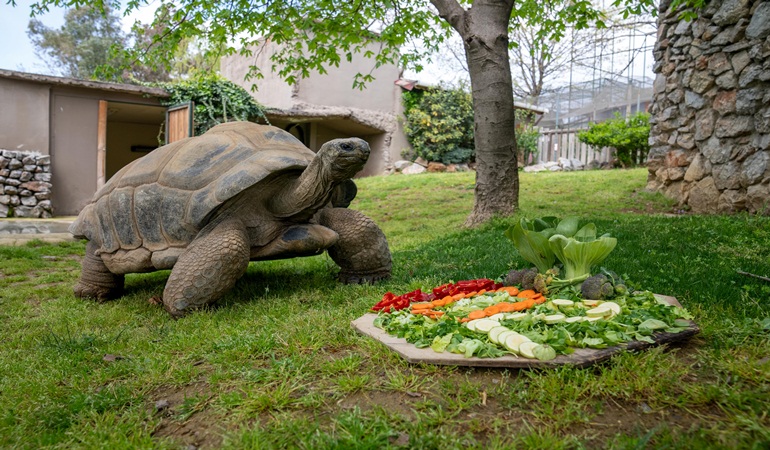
(273, 91)
(710, 134)
(24, 124)
(74, 121)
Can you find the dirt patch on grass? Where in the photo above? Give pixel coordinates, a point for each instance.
(186, 417)
(629, 419)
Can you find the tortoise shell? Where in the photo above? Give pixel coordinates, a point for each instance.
(165, 198)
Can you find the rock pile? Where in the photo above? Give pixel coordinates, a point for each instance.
(710, 134)
(562, 165)
(420, 165)
(25, 184)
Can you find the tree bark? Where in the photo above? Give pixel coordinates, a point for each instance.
(484, 29)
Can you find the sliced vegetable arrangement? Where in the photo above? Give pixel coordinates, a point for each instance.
(533, 313)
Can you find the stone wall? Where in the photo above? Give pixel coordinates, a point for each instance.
(710, 134)
(25, 184)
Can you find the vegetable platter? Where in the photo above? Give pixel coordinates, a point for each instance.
(550, 333)
(531, 317)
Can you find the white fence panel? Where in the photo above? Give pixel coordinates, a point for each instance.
(555, 144)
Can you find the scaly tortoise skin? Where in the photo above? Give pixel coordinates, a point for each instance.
(206, 206)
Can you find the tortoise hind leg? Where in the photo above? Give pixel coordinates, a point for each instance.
(96, 281)
(362, 251)
(210, 266)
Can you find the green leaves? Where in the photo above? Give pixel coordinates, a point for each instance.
(216, 99)
(439, 125)
(542, 241)
(629, 137)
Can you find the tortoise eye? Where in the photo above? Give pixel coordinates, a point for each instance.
(346, 146)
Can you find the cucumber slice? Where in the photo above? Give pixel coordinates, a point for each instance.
(592, 303)
(554, 318)
(514, 341)
(498, 317)
(612, 306)
(599, 311)
(485, 325)
(518, 316)
(495, 332)
(594, 319)
(574, 319)
(503, 336)
(472, 324)
(562, 303)
(525, 349)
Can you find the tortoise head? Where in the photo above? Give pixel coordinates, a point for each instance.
(343, 158)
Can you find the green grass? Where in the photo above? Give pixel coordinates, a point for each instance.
(276, 363)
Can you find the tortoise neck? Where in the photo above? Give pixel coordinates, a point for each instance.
(308, 193)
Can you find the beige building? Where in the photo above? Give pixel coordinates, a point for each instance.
(76, 122)
(326, 106)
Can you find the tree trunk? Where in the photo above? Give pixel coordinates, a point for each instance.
(484, 29)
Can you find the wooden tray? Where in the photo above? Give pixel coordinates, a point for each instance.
(582, 357)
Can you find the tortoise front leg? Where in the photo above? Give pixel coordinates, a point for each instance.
(362, 251)
(209, 267)
(96, 281)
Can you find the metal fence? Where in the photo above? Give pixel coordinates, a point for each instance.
(555, 144)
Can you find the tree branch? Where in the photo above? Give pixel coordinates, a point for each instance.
(453, 13)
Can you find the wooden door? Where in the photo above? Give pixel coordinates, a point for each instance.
(179, 122)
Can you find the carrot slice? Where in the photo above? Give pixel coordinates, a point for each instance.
(458, 296)
(479, 314)
(492, 310)
(513, 291)
(470, 294)
(426, 305)
(482, 292)
(505, 307)
(529, 293)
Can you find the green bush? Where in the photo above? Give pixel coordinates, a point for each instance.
(629, 137)
(216, 100)
(439, 125)
(526, 136)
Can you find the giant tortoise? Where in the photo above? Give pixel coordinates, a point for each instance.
(205, 206)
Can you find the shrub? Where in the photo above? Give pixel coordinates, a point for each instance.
(526, 136)
(439, 125)
(216, 100)
(629, 137)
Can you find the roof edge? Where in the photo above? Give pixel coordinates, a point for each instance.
(88, 84)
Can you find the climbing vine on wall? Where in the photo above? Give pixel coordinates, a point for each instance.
(216, 100)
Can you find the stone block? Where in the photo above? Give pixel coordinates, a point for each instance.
(701, 81)
(731, 201)
(28, 160)
(739, 61)
(11, 190)
(15, 201)
(718, 63)
(28, 201)
(704, 196)
(43, 195)
(730, 11)
(724, 102)
(750, 74)
(726, 176)
(759, 26)
(717, 151)
(37, 186)
(699, 168)
(15, 164)
(25, 176)
(42, 176)
(436, 167)
(727, 81)
(15, 174)
(44, 160)
(758, 199)
(4, 210)
(4, 162)
(704, 124)
(23, 211)
(753, 168)
(731, 126)
(12, 182)
(742, 151)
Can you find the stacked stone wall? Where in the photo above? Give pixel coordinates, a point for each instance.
(710, 134)
(25, 184)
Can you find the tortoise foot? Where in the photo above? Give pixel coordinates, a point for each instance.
(95, 292)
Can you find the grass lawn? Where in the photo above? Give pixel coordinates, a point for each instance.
(277, 365)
